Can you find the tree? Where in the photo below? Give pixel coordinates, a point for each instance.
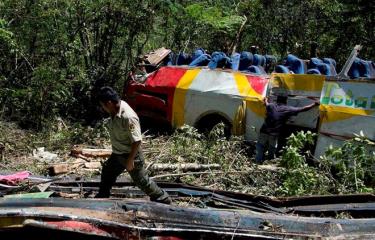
(75, 47)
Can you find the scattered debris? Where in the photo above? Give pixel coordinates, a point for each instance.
(268, 226)
(58, 169)
(30, 195)
(43, 155)
(183, 167)
(68, 195)
(88, 152)
(155, 57)
(142, 219)
(93, 165)
(197, 173)
(43, 186)
(15, 178)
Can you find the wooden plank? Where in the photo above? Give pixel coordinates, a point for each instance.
(89, 152)
(58, 169)
(157, 56)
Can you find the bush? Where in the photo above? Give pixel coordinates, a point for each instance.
(354, 164)
(39, 101)
(346, 169)
(299, 178)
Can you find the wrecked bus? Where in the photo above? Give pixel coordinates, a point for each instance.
(202, 97)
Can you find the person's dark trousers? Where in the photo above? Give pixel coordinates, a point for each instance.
(115, 165)
(264, 141)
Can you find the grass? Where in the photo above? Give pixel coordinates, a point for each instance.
(238, 172)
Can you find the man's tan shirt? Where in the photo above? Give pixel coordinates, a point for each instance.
(124, 129)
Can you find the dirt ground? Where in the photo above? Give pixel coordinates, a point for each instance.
(36, 152)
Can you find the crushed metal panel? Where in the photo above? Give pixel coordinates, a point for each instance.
(353, 209)
(299, 88)
(157, 56)
(152, 219)
(30, 195)
(297, 84)
(185, 95)
(73, 226)
(203, 92)
(347, 108)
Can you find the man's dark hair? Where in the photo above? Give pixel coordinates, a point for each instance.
(281, 99)
(108, 94)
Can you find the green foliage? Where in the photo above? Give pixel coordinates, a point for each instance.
(5, 35)
(214, 17)
(63, 53)
(186, 138)
(237, 173)
(83, 45)
(190, 144)
(293, 155)
(43, 98)
(193, 146)
(345, 169)
(354, 163)
(298, 178)
(300, 181)
(7, 48)
(64, 135)
(18, 144)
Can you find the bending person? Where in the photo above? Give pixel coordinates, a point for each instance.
(277, 114)
(126, 138)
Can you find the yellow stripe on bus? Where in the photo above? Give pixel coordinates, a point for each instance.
(178, 117)
(299, 82)
(257, 106)
(244, 87)
(254, 100)
(330, 113)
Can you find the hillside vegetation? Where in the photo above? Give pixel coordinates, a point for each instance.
(55, 55)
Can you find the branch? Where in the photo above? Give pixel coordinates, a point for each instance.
(195, 173)
(239, 35)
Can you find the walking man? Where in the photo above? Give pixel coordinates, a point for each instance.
(277, 114)
(126, 138)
